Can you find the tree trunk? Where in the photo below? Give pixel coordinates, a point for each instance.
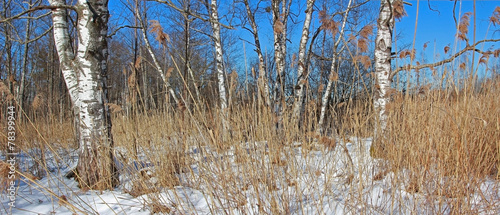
(86, 77)
(214, 21)
(331, 77)
(383, 45)
(20, 95)
(263, 86)
(187, 46)
(155, 60)
(302, 72)
(280, 29)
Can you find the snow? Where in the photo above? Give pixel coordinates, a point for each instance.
(322, 183)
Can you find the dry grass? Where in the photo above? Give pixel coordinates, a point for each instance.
(448, 143)
(440, 144)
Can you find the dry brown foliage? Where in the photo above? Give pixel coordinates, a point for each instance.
(407, 53)
(278, 27)
(426, 44)
(363, 59)
(495, 17)
(462, 65)
(496, 53)
(38, 102)
(169, 72)
(137, 64)
(398, 9)
(327, 23)
(446, 49)
(366, 31)
(114, 107)
(157, 29)
(334, 76)
(362, 45)
(463, 26)
(484, 59)
(321, 88)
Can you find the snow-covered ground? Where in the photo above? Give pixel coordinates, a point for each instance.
(314, 181)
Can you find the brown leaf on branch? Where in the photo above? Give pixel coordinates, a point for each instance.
(114, 107)
(462, 36)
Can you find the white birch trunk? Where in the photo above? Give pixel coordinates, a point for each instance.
(302, 73)
(214, 21)
(85, 78)
(280, 28)
(155, 60)
(383, 45)
(263, 86)
(331, 78)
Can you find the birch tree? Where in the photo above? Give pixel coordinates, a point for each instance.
(302, 70)
(383, 47)
(280, 12)
(214, 22)
(332, 77)
(162, 39)
(263, 86)
(86, 75)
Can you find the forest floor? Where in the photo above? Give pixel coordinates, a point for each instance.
(313, 181)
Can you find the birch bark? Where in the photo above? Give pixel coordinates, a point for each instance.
(85, 75)
(263, 86)
(214, 21)
(331, 78)
(383, 45)
(166, 82)
(302, 72)
(280, 19)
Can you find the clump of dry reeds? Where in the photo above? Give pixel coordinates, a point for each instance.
(441, 143)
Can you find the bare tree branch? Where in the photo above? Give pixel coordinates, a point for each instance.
(36, 38)
(173, 6)
(119, 28)
(43, 7)
(422, 66)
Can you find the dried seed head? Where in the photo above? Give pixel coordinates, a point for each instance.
(398, 9)
(495, 17)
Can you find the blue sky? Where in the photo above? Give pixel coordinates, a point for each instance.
(435, 26)
(439, 26)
